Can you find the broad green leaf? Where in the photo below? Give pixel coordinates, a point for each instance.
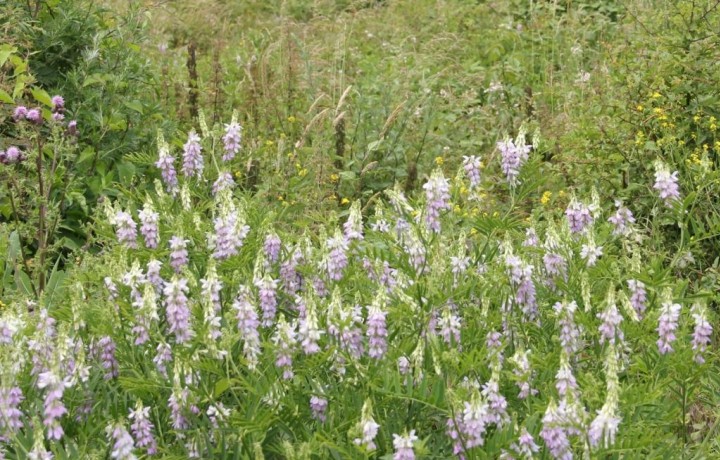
(5, 97)
(41, 96)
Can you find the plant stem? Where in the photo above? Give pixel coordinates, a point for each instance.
(17, 229)
(41, 217)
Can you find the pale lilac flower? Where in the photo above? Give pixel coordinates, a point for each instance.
(318, 406)
(555, 437)
(267, 292)
(667, 185)
(531, 238)
(454, 428)
(564, 379)
(668, 323)
(513, 158)
(163, 355)
(192, 156)
(474, 422)
(623, 220)
(178, 405)
(247, 324)
(177, 309)
(609, 329)
(523, 374)
(437, 199)
(272, 247)
(54, 408)
(404, 446)
(178, 253)
(376, 332)
(353, 227)
(35, 116)
(285, 342)
(11, 155)
(166, 164)
(701, 332)
(72, 128)
(638, 297)
(496, 402)
(449, 324)
(403, 365)
(153, 274)
(123, 444)
(126, 229)
(603, 427)
(591, 253)
(471, 165)
(58, 103)
(292, 280)
(106, 351)
(525, 447)
(579, 216)
(142, 429)
(231, 140)
(555, 264)
(570, 333)
(369, 431)
(415, 250)
(521, 279)
(337, 256)
(58, 117)
(11, 417)
(20, 113)
(223, 182)
(309, 332)
(149, 221)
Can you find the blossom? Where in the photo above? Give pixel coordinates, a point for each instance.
(231, 140)
(106, 347)
(591, 253)
(376, 331)
(611, 319)
(192, 156)
(309, 331)
(54, 408)
(579, 216)
(437, 198)
(35, 116)
(179, 253)
(638, 296)
(177, 309)
(701, 332)
(267, 292)
(272, 246)
(223, 182)
(149, 220)
(523, 373)
(123, 444)
(247, 324)
(474, 422)
(166, 164)
(570, 333)
(513, 158)
(58, 103)
(667, 324)
(126, 229)
(622, 220)
(11, 417)
(353, 226)
(11, 155)
(20, 113)
(318, 406)
(337, 258)
(666, 184)
(471, 165)
(404, 446)
(603, 427)
(555, 437)
(285, 341)
(142, 428)
(163, 355)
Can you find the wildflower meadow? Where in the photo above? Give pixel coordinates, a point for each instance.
(346, 229)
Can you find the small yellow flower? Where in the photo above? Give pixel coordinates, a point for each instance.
(457, 209)
(302, 172)
(656, 95)
(439, 161)
(495, 214)
(344, 201)
(696, 118)
(561, 193)
(280, 198)
(463, 190)
(545, 199)
(640, 108)
(473, 231)
(334, 178)
(292, 119)
(269, 142)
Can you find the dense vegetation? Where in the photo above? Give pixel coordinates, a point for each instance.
(359, 229)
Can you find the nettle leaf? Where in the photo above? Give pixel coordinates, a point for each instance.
(41, 96)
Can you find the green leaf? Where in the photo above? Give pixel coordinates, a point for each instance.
(55, 281)
(221, 386)
(14, 248)
(22, 280)
(5, 97)
(135, 105)
(5, 52)
(41, 96)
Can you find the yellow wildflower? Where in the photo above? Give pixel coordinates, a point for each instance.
(292, 119)
(334, 178)
(640, 108)
(545, 199)
(344, 201)
(656, 95)
(439, 161)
